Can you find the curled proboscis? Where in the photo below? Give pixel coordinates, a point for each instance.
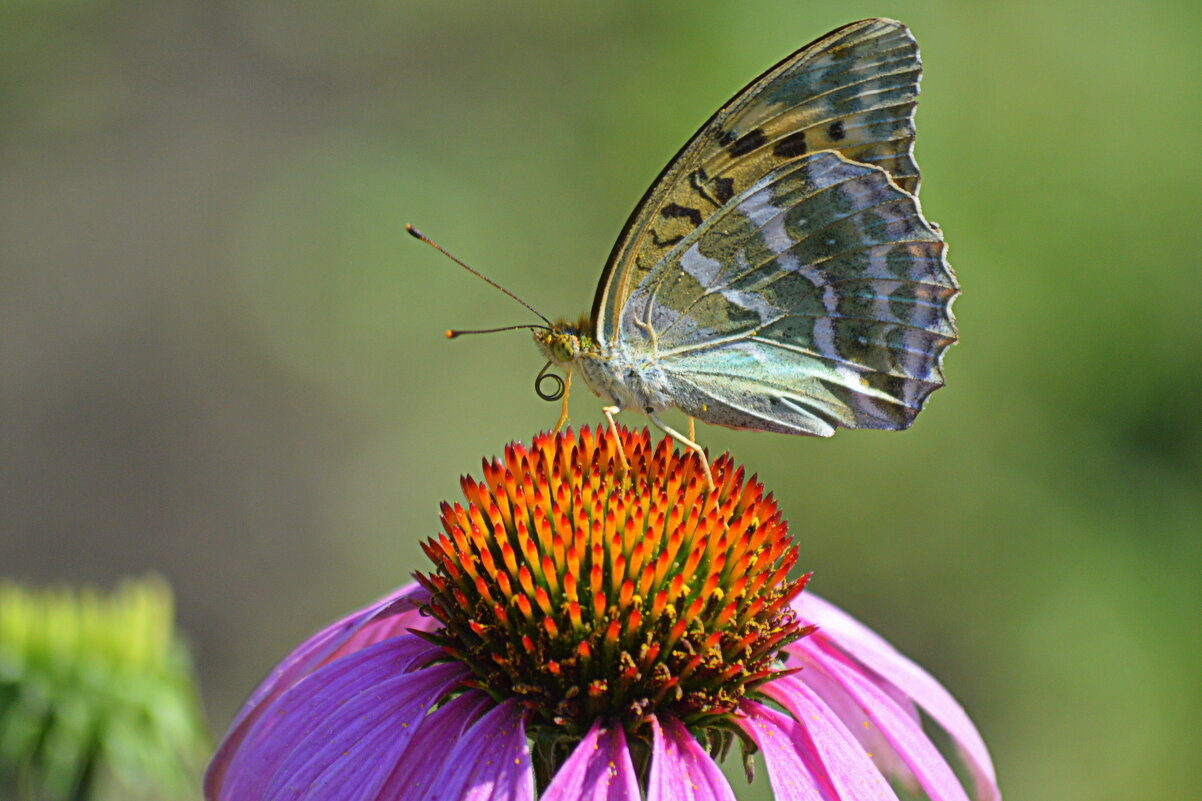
(556, 393)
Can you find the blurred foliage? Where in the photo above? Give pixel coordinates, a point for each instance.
(97, 699)
(222, 358)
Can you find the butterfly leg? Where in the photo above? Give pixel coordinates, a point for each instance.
(563, 409)
(691, 445)
(613, 428)
(692, 429)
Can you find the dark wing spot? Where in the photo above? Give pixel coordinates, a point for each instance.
(663, 243)
(711, 191)
(724, 188)
(676, 210)
(791, 146)
(835, 131)
(724, 138)
(746, 143)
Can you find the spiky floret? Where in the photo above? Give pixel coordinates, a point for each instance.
(588, 592)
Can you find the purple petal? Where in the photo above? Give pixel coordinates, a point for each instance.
(347, 675)
(680, 769)
(490, 762)
(904, 734)
(392, 614)
(780, 741)
(869, 648)
(319, 721)
(840, 764)
(599, 769)
(352, 754)
(421, 761)
(852, 716)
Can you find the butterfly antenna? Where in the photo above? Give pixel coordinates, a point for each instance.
(451, 334)
(456, 332)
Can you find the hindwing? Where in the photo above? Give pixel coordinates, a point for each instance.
(817, 297)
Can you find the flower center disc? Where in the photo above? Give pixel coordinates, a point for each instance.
(590, 592)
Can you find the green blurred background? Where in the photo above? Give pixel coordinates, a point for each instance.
(222, 358)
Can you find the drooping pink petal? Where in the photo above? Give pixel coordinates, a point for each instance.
(781, 744)
(680, 769)
(406, 653)
(904, 734)
(490, 762)
(854, 720)
(319, 718)
(351, 755)
(417, 767)
(827, 747)
(393, 614)
(869, 648)
(599, 769)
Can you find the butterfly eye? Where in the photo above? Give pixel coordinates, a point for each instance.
(563, 349)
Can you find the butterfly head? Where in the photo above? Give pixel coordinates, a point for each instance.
(563, 342)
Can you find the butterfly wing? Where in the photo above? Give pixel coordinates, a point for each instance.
(852, 90)
(817, 297)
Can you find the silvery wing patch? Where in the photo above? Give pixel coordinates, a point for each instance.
(818, 297)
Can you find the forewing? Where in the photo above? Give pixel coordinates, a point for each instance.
(853, 91)
(819, 297)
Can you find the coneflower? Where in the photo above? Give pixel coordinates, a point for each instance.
(590, 631)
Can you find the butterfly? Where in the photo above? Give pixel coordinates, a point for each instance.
(779, 275)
